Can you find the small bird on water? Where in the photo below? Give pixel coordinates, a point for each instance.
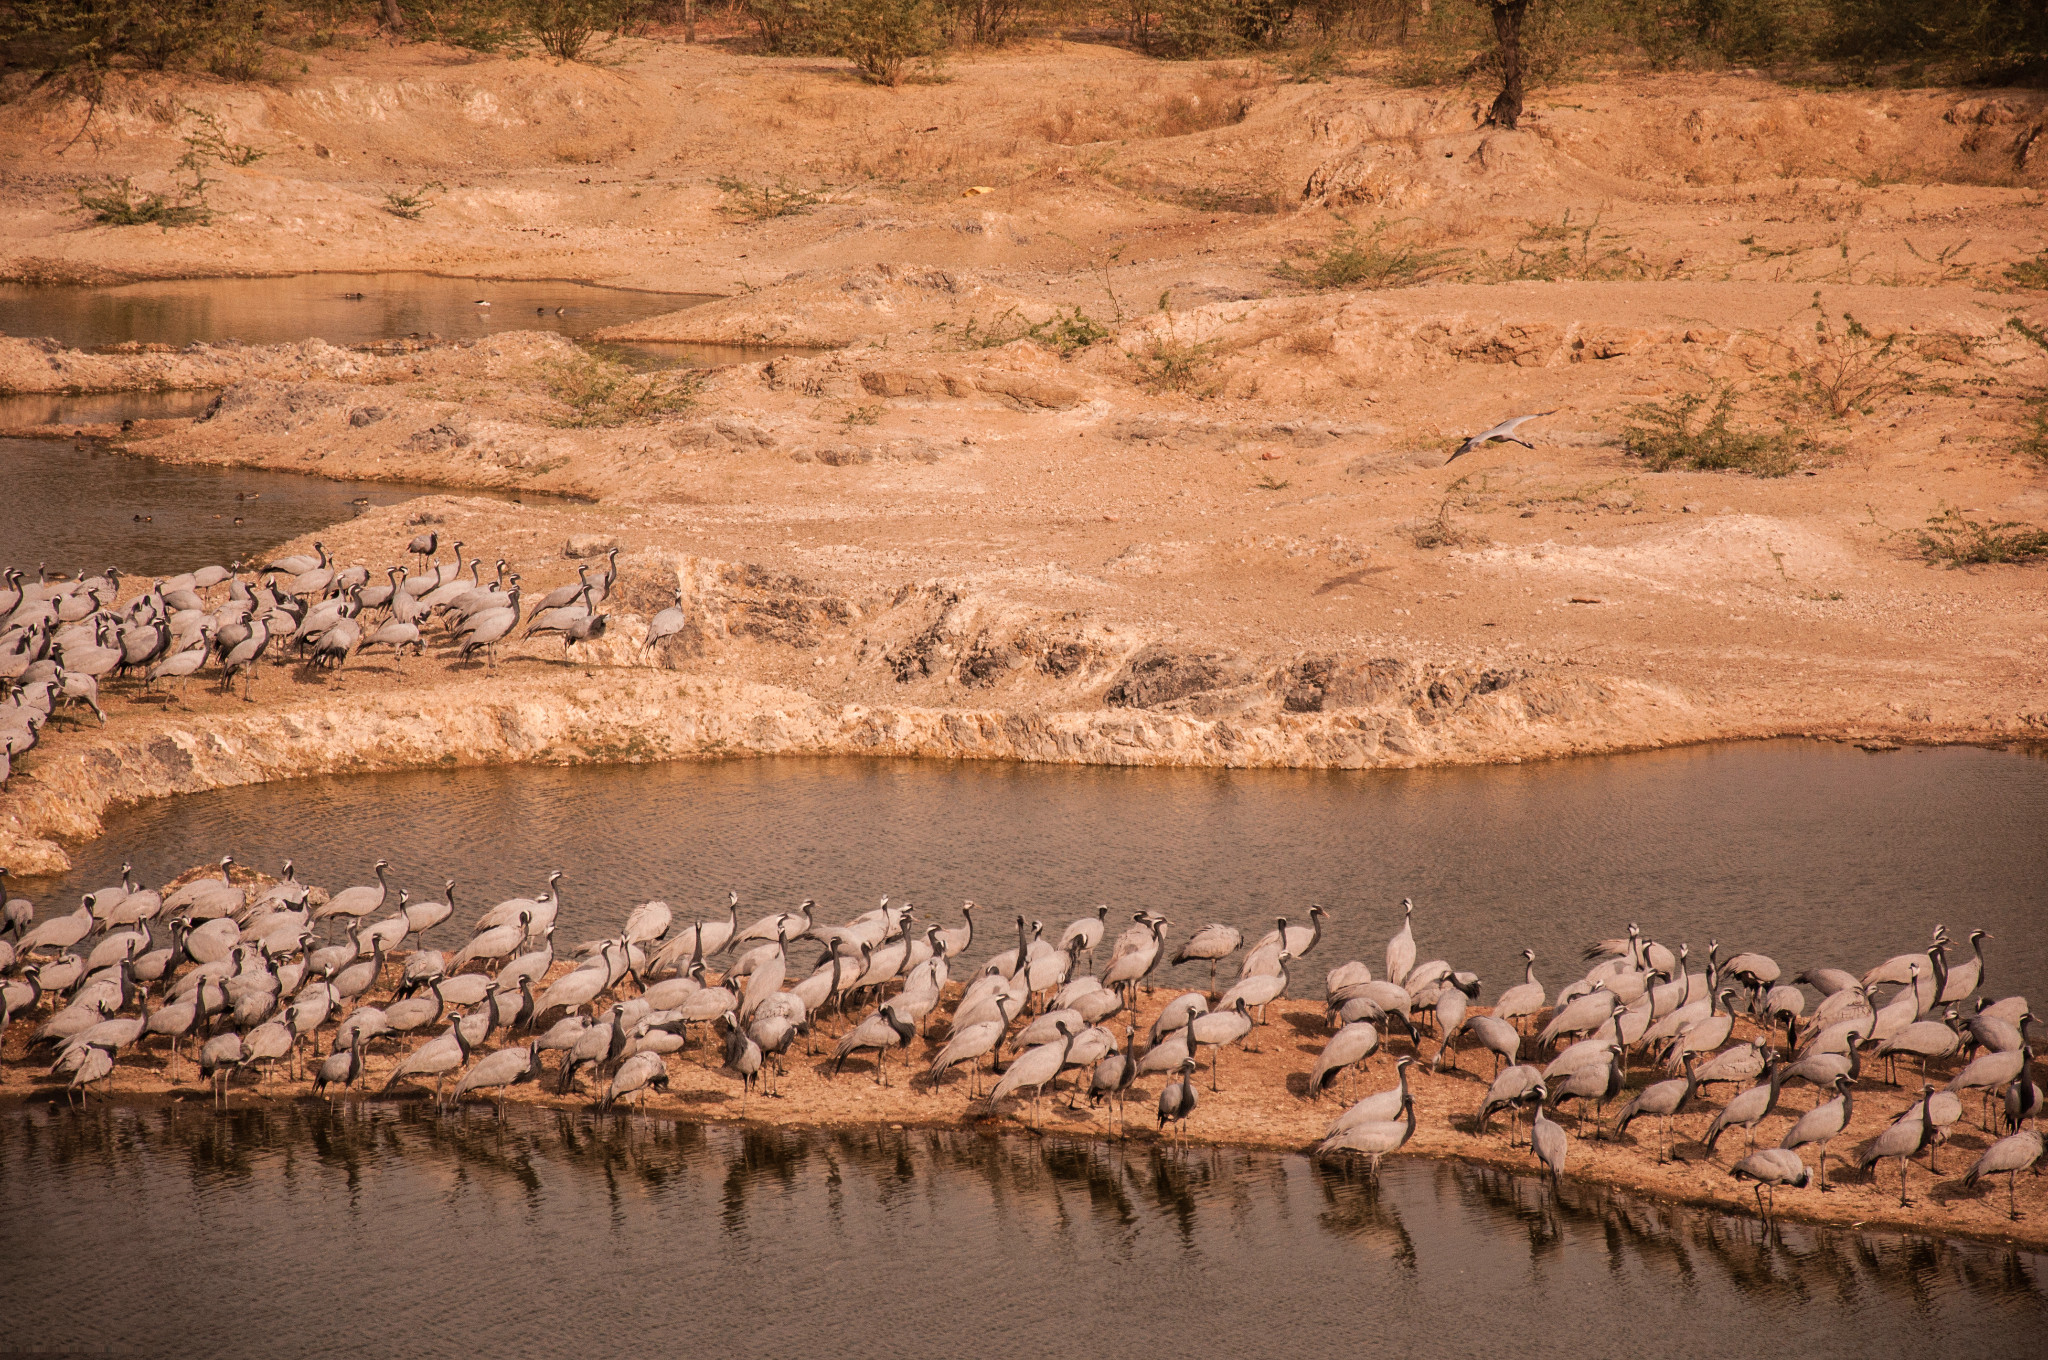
(1504, 431)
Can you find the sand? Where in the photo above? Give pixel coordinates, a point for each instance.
(1260, 1099)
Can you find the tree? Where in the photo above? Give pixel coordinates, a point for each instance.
(1507, 31)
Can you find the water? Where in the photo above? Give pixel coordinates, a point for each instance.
(1810, 852)
(305, 1232)
(349, 309)
(25, 410)
(75, 508)
(342, 309)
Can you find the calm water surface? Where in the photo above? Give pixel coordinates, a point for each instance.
(393, 1230)
(75, 508)
(342, 309)
(1811, 852)
(24, 409)
(351, 309)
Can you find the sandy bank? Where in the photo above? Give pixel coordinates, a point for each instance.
(1262, 1103)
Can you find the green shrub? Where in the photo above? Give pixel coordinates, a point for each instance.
(2033, 443)
(1171, 364)
(2030, 273)
(411, 206)
(1364, 260)
(479, 25)
(1066, 332)
(117, 203)
(210, 143)
(1980, 37)
(790, 25)
(1954, 540)
(1694, 431)
(1852, 368)
(1675, 31)
(223, 36)
(883, 37)
(565, 28)
(1202, 28)
(1069, 331)
(596, 392)
(987, 23)
(759, 202)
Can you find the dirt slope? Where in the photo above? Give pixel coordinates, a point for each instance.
(1223, 529)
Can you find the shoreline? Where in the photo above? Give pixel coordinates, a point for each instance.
(1261, 1104)
(676, 1112)
(645, 716)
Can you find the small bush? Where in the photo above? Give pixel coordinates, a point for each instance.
(1366, 260)
(1068, 332)
(1951, 539)
(411, 206)
(988, 23)
(883, 37)
(790, 25)
(1439, 530)
(479, 25)
(759, 202)
(1694, 431)
(1853, 368)
(2034, 443)
(210, 143)
(1311, 65)
(1005, 329)
(1171, 364)
(1202, 28)
(600, 394)
(1983, 38)
(564, 28)
(235, 49)
(1568, 250)
(118, 203)
(2030, 273)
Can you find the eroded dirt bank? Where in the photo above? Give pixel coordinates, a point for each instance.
(1096, 467)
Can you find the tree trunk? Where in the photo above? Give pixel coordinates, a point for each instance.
(1507, 29)
(689, 21)
(394, 17)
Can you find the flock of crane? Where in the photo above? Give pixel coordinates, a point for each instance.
(60, 639)
(244, 981)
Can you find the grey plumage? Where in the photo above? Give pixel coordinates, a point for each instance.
(2007, 1157)
(1822, 1124)
(1770, 1168)
(1547, 1141)
(1504, 431)
(1177, 1102)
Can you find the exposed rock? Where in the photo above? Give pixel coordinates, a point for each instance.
(1158, 675)
(589, 545)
